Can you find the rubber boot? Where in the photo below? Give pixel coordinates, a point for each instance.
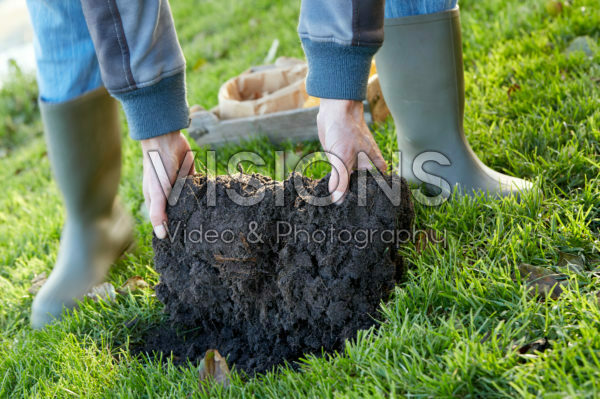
(420, 68)
(84, 146)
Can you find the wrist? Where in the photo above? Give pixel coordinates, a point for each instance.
(346, 106)
(162, 141)
(333, 110)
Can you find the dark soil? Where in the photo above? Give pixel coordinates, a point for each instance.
(262, 297)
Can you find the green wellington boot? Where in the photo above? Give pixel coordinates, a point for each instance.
(420, 69)
(84, 146)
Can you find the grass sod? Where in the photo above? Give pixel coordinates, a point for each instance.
(450, 329)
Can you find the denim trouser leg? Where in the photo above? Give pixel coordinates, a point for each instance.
(66, 60)
(405, 8)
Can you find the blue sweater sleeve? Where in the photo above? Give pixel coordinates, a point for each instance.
(337, 71)
(158, 109)
(141, 62)
(339, 38)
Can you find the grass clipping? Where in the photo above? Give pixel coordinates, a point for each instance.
(232, 278)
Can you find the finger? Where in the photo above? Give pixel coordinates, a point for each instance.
(338, 185)
(378, 161)
(187, 166)
(146, 179)
(364, 161)
(373, 157)
(161, 173)
(193, 169)
(158, 215)
(377, 158)
(334, 178)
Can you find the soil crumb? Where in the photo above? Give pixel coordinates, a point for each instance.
(278, 278)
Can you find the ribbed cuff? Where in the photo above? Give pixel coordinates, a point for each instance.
(158, 109)
(337, 71)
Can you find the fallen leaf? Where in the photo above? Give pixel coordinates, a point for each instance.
(377, 104)
(554, 8)
(214, 368)
(539, 346)
(36, 283)
(512, 89)
(542, 281)
(104, 291)
(573, 262)
(133, 284)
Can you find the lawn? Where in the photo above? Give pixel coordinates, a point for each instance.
(455, 328)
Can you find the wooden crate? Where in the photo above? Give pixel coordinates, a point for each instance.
(295, 125)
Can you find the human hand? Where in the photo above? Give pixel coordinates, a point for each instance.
(158, 181)
(344, 133)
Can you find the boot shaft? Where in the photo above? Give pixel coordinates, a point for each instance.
(84, 147)
(420, 68)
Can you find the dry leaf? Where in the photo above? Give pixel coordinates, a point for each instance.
(554, 8)
(512, 89)
(133, 284)
(427, 237)
(573, 262)
(536, 346)
(36, 283)
(377, 104)
(104, 291)
(542, 281)
(214, 368)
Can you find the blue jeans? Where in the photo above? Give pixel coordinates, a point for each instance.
(405, 8)
(65, 72)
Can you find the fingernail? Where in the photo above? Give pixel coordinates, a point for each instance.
(160, 231)
(337, 196)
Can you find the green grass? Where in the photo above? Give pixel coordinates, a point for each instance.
(451, 328)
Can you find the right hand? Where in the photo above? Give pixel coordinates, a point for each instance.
(344, 133)
(173, 148)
